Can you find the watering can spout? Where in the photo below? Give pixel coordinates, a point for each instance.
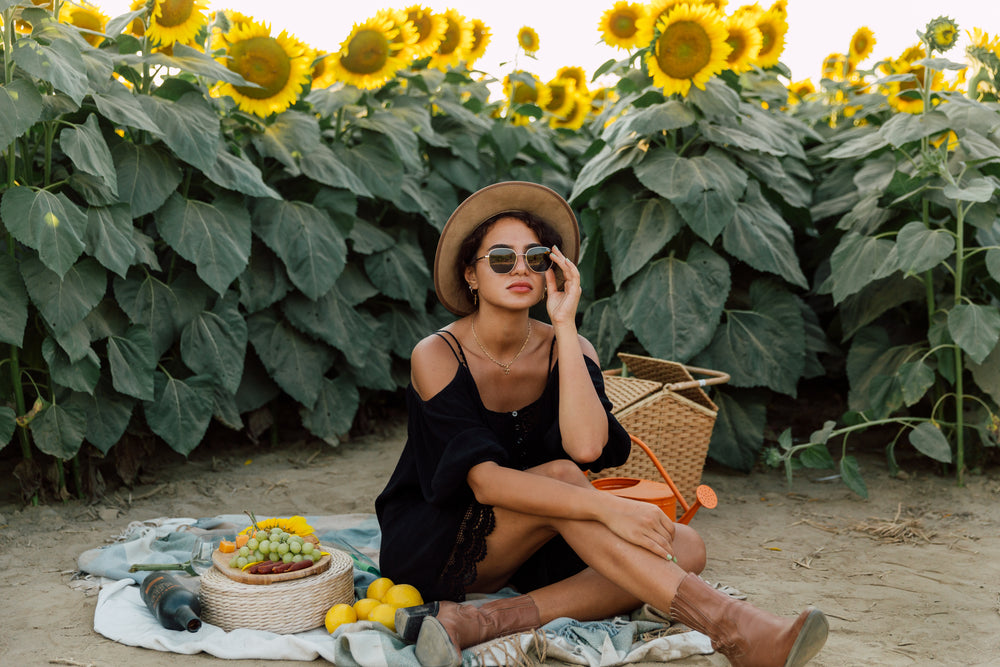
(704, 497)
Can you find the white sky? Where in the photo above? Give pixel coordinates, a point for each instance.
(568, 33)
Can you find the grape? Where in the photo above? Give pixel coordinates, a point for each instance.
(265, 547)
(295, 547)
(258, 555)
(241, 562)
(287, 558)
(253, 543)
(307, 548)
(297, 558)
(261, 535)
(282, 548)
(244, 551)
(232, 563)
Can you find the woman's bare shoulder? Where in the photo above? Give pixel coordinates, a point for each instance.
(433, 365)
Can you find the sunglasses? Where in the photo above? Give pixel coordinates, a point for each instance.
(503, 260)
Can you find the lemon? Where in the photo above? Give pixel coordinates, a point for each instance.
(377, 588)
(384, 614)
(338, 615)
(364, 606)
(402, 595)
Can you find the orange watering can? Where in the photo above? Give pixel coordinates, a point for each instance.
(663, 495)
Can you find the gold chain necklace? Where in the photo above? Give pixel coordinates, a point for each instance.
(505, 367)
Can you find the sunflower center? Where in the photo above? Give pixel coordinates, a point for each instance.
(683, 49)
(623, 25)
(175, 12)
(524, 94)
(452, 37)
(768, 38)
(738, 44)
(260, 60)
(558, 97)
(367, 52)
(861, 44)
(422, 22)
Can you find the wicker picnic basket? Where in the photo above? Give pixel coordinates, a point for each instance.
(661, 403)
(284, 607)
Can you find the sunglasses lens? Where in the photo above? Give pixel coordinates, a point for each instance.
(538, 259)
(502, 260)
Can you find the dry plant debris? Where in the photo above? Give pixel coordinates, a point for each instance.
(895, 531)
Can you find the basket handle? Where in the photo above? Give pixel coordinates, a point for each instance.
(716, 377)
(662, 471)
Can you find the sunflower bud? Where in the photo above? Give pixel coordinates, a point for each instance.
(942, 33)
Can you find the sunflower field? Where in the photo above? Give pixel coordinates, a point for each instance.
(208, 224)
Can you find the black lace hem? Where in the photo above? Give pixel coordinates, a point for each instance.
(470, 548)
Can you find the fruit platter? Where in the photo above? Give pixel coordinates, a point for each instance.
(270, 551)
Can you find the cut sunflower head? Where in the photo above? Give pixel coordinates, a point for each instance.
(744, 39)
(176, 21)
(942, 33)
(370, 56)
(279, 66)
(862, 44)
(773, 27)
(293, 525)
(619, 26)
(527, 39)
(689, 48)
(455, 44)
(430, 29)
(480, 40)
(86, 16)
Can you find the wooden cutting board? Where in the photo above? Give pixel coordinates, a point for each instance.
(221, 562)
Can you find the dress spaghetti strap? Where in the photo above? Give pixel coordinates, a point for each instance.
(461, 359)
(552, 347)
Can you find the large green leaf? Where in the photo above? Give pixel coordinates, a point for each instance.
(8, 423)
(603, 326)
(762, 346)
(264, 281)
(987, 374)
(993, 263)
(306, 240)
(214, 237)
(671, 115)
(109, 237)
(916, 378)
(180, 410)
(403, 328)
(758, 236)
(782, 179)
(146, 176)
(376, 165)
(855, 262)
(334, 411)
(975, 190)
(161, 309)
(132, 358)
(976, 329)
(377, 370)
(189, 125)
(297, 363)
(51, 224)
(929, 441)
(321, 164)
(873, 372)
(875, 298)
(85, 146)
(920, 249)
(60, 63)
(80, 376)
(635, 232)
(291, 134)
(59, 429)
(608, 161)
(190, 60)
(850, 473)
(673, 306)
(715, 99)
(738, 433)
(75, 341)
(705, 188)
(116, 103)
(64, 301)
(239, 174)
(215, 342)
(333, 320)
(20, 109)
(400, 132)
(903, 128)
(13, 302)
(108, 415)
(401, 271)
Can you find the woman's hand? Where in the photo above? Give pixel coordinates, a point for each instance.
(562, 305)
(643, 524)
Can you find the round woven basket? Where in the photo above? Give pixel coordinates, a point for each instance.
(284, 607)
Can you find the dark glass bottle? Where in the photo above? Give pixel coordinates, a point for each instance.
(173, 605)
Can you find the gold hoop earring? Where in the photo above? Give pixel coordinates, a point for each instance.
(475, 297)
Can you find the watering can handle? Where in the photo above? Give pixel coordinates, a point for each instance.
(663, 472)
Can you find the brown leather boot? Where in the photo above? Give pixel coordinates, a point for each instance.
(748, 636)
(456, 626)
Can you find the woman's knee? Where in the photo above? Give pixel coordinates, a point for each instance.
(562, 469)
(690, 548)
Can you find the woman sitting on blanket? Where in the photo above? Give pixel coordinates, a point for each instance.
(505, 415)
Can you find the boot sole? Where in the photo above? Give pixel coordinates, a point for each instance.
(811, 638)
(434, 647)
(410, 619)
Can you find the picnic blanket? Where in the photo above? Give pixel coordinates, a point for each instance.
(121, 616)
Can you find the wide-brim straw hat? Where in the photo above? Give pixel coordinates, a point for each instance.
(505, 197)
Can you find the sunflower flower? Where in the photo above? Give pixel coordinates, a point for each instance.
(293, 525)
(798, 90)
(527, 39)
(370, 56)
(457, 42)
(862, 44)
(323, 76)
(837, 67)
(905, 96)
(574, 72)
(619, 25)
(279, 66)
(562, 91)
(942, 33)
(744, 39)
(480, 40)
(577, 114)
(86, 16)
(689, 47)
(645, 24)
(773, 27)
(406, 32)
(176, 21)
(430, 29)
(522, 87)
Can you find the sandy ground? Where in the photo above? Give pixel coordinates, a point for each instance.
(909, 577)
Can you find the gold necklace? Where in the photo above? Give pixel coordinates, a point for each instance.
(505, 367)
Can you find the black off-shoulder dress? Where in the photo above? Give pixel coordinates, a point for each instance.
(433, 529)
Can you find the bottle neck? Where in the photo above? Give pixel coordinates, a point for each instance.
(187, 618)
